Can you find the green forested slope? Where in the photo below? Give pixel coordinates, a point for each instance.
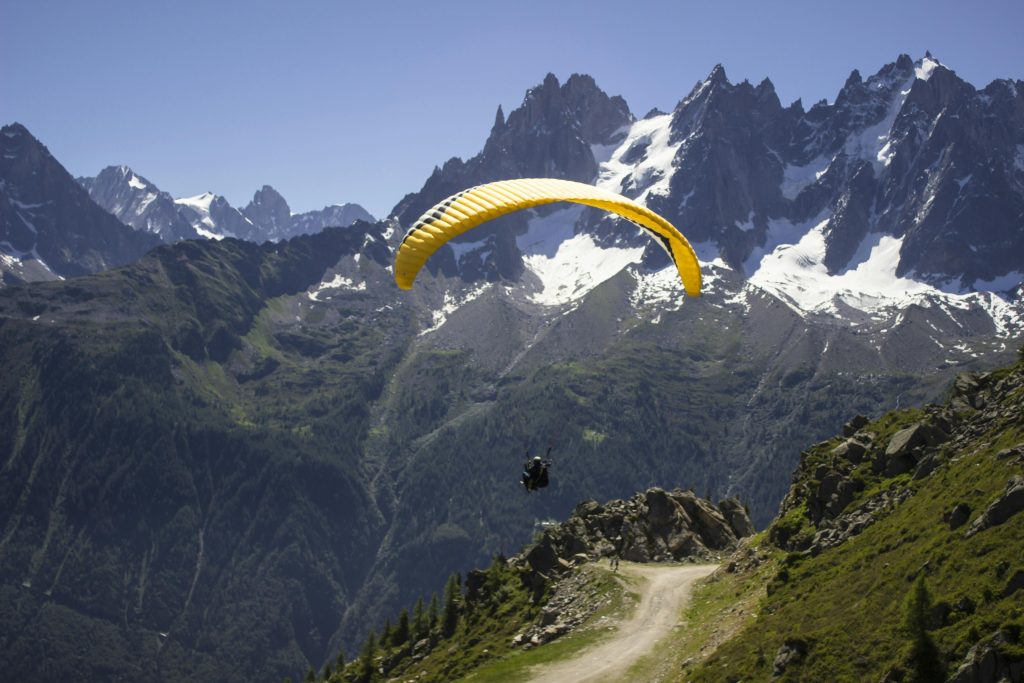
(158, 518)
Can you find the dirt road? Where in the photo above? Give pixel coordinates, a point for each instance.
(663, 591)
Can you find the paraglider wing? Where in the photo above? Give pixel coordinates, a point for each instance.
(469, 208)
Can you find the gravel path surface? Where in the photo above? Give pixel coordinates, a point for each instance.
(663, 591)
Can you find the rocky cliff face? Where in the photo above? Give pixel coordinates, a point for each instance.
(269, 211)
(825, 490)
(554, 133)
(904, 153)
(49, 227)
(912, 152)
(273, 219)
(137, 202)
(654, 526)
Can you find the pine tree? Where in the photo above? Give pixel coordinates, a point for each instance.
(401, 633)
(923, 655)
(419, 621)
(433, 613)
(366, 669)
(385, 634)
(452, 598)
(327, 672)
(340, 661)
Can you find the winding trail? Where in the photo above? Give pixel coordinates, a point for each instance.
(663, 589)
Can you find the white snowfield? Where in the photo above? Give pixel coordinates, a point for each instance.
(205, 226)
(790, 266)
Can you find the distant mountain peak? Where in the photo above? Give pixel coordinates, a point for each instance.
(717, 75)
(49, 226)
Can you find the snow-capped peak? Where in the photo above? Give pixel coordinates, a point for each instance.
(200, 202)
(925, 66)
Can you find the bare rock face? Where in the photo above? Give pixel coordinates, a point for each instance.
(1006, 506)
(653, 526)
(49, 218)
(736, 515)
(989, 661)
(792, 651)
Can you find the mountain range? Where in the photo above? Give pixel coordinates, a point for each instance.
(50, 228)
(226, 438)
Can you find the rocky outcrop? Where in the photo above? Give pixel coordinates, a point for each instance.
(574, 600)
(834, 532)
(653, 526)
(814, 515)
(989, 660)
(1007, 505)
(791, 652)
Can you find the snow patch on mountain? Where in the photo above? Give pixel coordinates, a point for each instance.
(338, 282)
(568, 265)
(796, 178)
(205, 225)
(660, 288)
(452, 303)
(794, 272)
(200, 204)
(924, 68)
(653, 172)
(873, 143)
(462, 248)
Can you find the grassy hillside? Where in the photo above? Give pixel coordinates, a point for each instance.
(910, 595)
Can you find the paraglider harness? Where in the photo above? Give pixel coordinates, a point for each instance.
(535, 471)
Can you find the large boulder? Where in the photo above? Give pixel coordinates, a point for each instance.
(1007, 505)
(738, 517)
(708, 522)
(989, 660)
(919, 435)
(542, 558)
(852, 450)
(661, 509)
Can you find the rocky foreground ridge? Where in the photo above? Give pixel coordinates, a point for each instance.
(550, 589)
(653, 526)
(826, 490)
(897, 553)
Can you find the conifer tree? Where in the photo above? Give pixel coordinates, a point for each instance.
(366, 669)
(452, 598)
(340, 661)
(401, 633)
(923, 655)
(419, 621)
(385, 634)
(433, 613)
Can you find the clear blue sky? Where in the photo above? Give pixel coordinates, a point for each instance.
(342, 101)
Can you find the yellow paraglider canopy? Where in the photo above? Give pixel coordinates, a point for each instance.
(467, 209)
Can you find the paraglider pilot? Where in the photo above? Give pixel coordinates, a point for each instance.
(535, 471)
